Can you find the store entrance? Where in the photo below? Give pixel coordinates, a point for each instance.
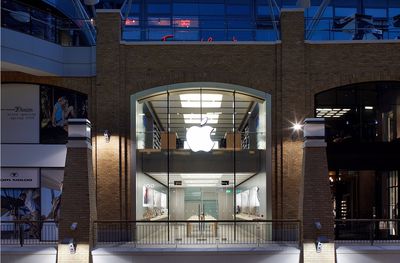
(200, 202)
(199, 148)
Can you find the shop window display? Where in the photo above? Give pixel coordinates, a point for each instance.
(27, 200)
(188, 173)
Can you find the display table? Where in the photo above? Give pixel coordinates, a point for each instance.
(159, 218)
(247, 217)
(195, 220)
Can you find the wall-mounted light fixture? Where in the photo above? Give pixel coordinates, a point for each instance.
(296, 130)
(107, 136)
(297, 127)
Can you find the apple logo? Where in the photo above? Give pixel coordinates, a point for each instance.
(198, 138)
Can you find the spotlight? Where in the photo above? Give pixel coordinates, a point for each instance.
(297, 127)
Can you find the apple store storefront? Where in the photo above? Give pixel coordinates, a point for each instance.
(202, 152)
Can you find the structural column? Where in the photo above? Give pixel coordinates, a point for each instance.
(290, 109)
(315, 208)
(108, 154)
(78, 202)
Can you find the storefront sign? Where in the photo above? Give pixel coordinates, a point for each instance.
(20, 113)
(19, 178)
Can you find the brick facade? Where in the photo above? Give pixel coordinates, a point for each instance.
(292, 71)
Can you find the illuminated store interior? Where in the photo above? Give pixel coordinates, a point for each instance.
(212, 165)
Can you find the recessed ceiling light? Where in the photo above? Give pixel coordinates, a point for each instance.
(201, 185)
(201, 175)
(369, 107)
(192, 100)
(201, 181)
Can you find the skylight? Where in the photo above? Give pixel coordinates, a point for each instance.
(192, 100)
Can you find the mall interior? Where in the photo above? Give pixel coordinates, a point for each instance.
(256, 130)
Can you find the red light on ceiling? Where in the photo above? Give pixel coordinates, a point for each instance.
(184, 22)
(130, 22)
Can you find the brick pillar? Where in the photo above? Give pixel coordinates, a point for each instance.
(291, 108)
(78, 201)
(315, 208)
(109, 157)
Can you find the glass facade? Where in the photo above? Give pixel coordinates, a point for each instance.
(48, 22)
(368, 112)
(363, 131)
(353, 20)
(217, 20)
(201, 152)
(257, 20)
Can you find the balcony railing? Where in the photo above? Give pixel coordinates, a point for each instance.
(197, 233)
(44, 25)
(29, 232)
(367, 230)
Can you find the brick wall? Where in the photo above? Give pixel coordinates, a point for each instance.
(292, 71)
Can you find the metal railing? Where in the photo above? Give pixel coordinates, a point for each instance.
(367, 230)
(45, 25)
(325, 29)
(29, 232)
(196, 233)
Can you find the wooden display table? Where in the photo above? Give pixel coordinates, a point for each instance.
(247, 217)
(172, 140)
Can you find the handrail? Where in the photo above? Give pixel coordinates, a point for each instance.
(25, 231)
(197, 232)
(205, 221)
(371, 230)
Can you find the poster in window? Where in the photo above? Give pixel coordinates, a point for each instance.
(57, 105)
(148, 193)
(20, 204)
(51, 189)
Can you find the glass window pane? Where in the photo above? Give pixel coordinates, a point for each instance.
(211, 9)
(265, 35)
(238, 10)
(213, 35)
(394, 12)
(158, 8)
(132, 21)
(376, 12)
(345, 11)
(185, 9)
(187, 22)
(159, 21)
(158, 34)
(238, 23)
(243, 35)
(212, 23)
(186, 35)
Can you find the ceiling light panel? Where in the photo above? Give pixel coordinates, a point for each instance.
(331, 113)
(201, 181)
(192, 100)
(200, 185)
(201, 176)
